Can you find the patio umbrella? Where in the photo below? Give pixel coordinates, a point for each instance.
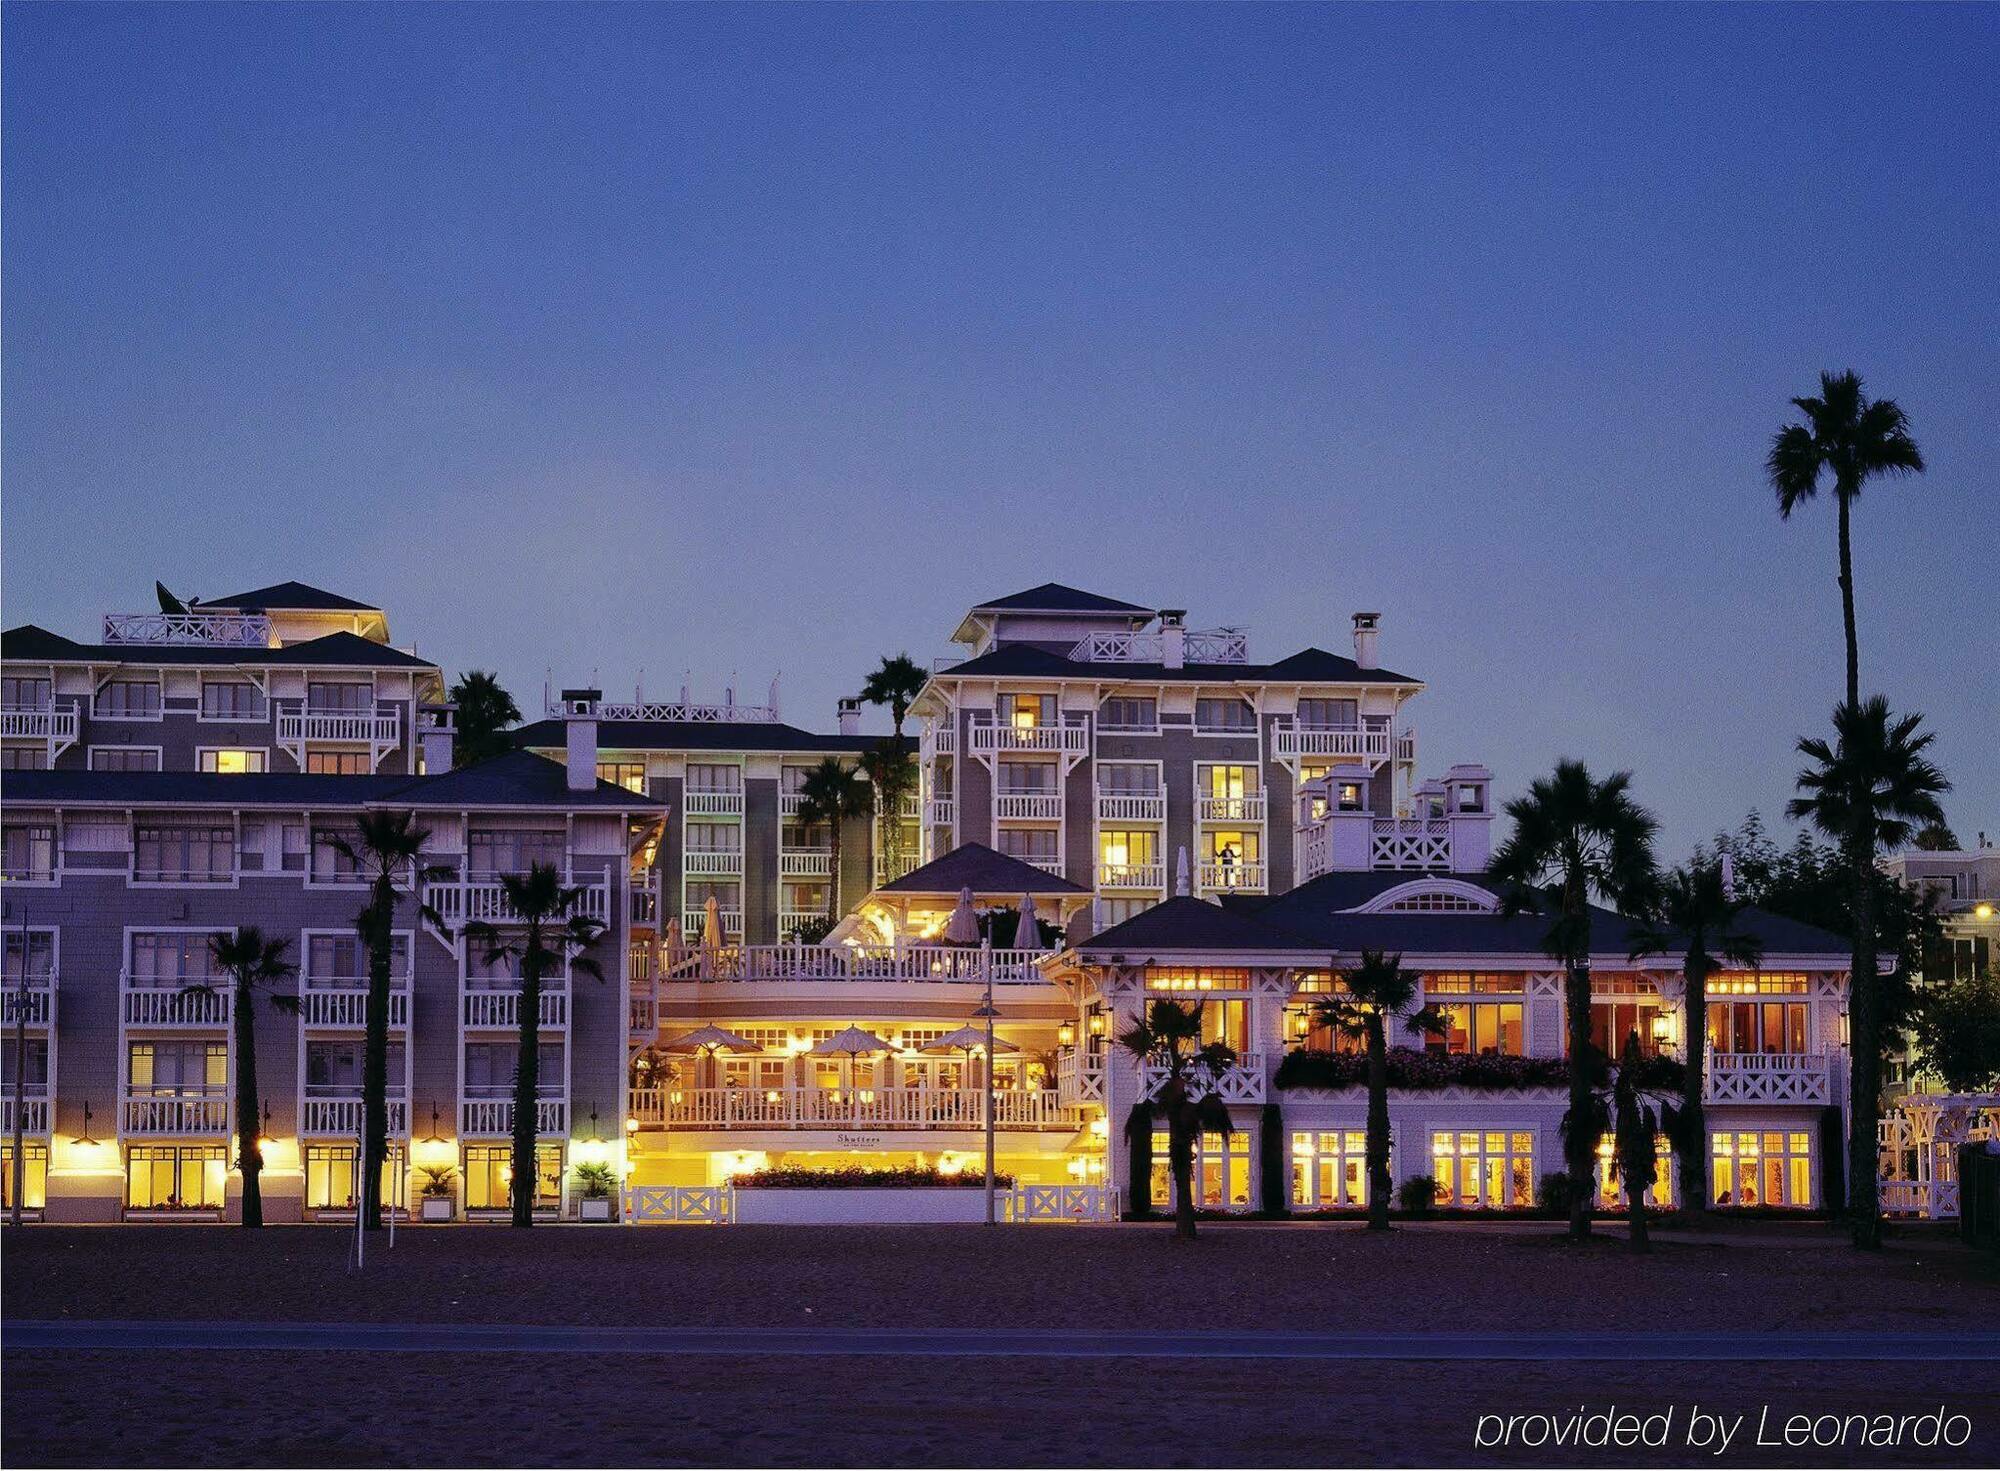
(710, 1039)
(968, 1040)
(852, 1041)
(963, 926)
(711, 924)
(1181, 873)
(675, 939)
(1028, 933)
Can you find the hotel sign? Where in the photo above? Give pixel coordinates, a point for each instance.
(858, 1141)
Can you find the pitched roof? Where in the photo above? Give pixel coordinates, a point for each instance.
(979, 868)
(291, 597)
(1308, 666)
(1054, 597)
(697, 735)
(516, 779)
(31, 643)
(1184, 923)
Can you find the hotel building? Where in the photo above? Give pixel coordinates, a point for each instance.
(1183, 821)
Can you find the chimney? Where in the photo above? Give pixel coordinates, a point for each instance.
(580, 727)
(850, 716)
(1173, 637)
(437, 729)
(1366, 626)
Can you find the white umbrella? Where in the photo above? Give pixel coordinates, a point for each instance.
(1028, 933)
(1181, 873)
(968, 1040)
(852, 1041)
(710, 1039)
(675, 939)
(963, 926)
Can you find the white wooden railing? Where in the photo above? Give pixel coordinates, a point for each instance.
(1249, 876)
(1131, 807)
(728, 861)
(940, 740)
(804, 863)
(1415, 843)
(34, 1116)
(1357, 742)
(488, 1116)
(342, 1117)
(712, 804)
(938, 963)
(1230, 809)
(44, 724)
(695, 921)
(503, 1008)
(206, 1113)
(1079, 1076)
(146, 1004)
(1241, 1082)
(1769, 1077)
(1028, 806)
(883, 1107)
(219, 630)
(682, 1205)
(887, 872)
(371, 727)
(33, 1008)
(342, 1001)
(1040, 1204)
(998, 736)
(940, 811)
(1198, 646)
(1131, 875)
(460, 901)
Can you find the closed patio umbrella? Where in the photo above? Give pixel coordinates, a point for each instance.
(1028, 933)
(711, 924)
(963, 926)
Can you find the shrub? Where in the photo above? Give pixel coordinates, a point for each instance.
(811, 930)
(596, 1182)
(438, 1181)
(1418, 1195)
(797, 1177)
(1411, 1069)
(1553, 1194)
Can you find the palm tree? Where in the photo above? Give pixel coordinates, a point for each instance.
(1377, 989)
(551, 932)
(388, 847)
(830, 795)
(485, 711)
(896, 682)
(1853, 438)
(1578, 837)
(890, 777)
(1636, 1121)
(1869, 790)
(253, 964)
(1168, 1038)
(1697, 913)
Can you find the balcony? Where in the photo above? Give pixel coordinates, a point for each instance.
(1070, 740)
(1220, 877)
(341, 1002)
(642, 900)
(910, 808)
(1416, 844)
(804, 863)
(1230, 809)
(175, 1117)
(1769, 1077)
(481, 1009)
(1132, 876)
(486, 1117)
(842, 963)
(342, 1117)
(695, 921)
(842, 1108)
(459, 902)
(353, 727)
(789, 803)
(33, 1007)
(34, 1114)
(210, 630)
(941, 740)
(887, 872)
(1028, 806)
(790, 920)
(145, 1003)
(940, 811)
(713, 804)
(725, 861)
(56, 725)
(1079, 1076)
(1242, 1082)
(1131, 807)
(1348, 743)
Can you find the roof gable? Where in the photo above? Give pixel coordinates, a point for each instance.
(1055, 597)
(291, 597)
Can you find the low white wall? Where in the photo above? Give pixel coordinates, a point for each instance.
(916, 1206)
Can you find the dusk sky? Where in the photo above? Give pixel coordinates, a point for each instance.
(633, 338)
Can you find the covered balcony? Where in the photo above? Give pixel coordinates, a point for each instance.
(724, 802)
(339, 1115)
(494, 1117)
(850, 963)
(167, 1001)
(1242, 877)
(495, 1008)
(803, 863)
(34, 1111)
(484, 899)
(1146, 807)
(836, 1108)
(53, 724)
(991, 739)
(341, 1002)
(1248, 807)
(1292, 742)
(184, 1114)
(1028, 806)
(1769, 1077)
(1241, 1082)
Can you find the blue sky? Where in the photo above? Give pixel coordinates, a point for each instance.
(752, 339)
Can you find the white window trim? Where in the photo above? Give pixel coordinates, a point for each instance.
(90, 754)
(202, 716)
(1430, 884)
(235, 880)
(153, 719)
(264, 751)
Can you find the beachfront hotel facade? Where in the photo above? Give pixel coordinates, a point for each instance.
(1181, 821)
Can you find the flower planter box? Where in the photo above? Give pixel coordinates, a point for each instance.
(438, 1208)
(594, 1208)
(918, 1205)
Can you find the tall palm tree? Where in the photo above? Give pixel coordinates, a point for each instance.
(896, 682)
(253, 964)
(890, 777)
(1697, 914)
(550, 932)
(1854, 439)
(1636, 1121)
(485, 712)
(1377, 989)
(829, 794)
(1578, 837)
(388, 848)
(1168, 1038)
(1869, 790)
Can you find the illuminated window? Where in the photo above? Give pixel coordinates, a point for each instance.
(330, 1177)
(1479, 1028)
(1766, 1167)
(34, 1176)
(1125, 851)
(489, 1173)
(1612, 1022)
(175, 1176)
(630, 775)
(1196, 978)
(1024, 712)
(1757, 1026)
(337, 763)
(162, 1069)
(1659, 1193)
(238, 761)
(1330, 1168)
(1485, 1169)
(1349, 796)
(1221, 1171)
(1474, 983)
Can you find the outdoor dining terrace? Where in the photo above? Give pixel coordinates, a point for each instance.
(829, 1108)
(959, 964)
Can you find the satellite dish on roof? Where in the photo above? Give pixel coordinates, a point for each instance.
(168, 602)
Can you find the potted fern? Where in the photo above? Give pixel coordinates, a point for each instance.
(596, 1185)
(436, 1190)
